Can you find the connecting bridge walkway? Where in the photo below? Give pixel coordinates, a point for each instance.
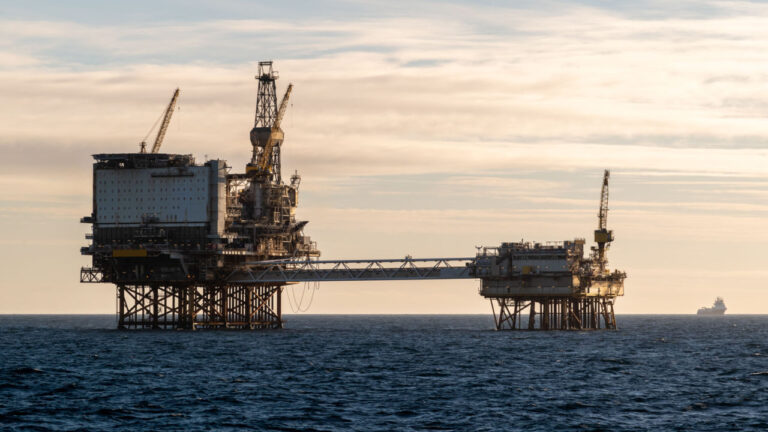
(287, 271)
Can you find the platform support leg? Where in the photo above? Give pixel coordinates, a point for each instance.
(121, 307)
(532, 315)
(155, 307)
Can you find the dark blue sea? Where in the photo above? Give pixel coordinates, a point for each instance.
(387, 373)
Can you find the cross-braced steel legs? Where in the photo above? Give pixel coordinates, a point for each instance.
(553, 313)
(254, 306)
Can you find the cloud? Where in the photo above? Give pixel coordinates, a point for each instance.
(583, 72)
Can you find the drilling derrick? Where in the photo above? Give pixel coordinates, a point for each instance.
(268, 205)
(266, 126)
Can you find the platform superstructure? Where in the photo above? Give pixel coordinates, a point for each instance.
(553, 281)
(168, 231)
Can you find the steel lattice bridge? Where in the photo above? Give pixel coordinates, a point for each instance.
(293, 271)
(288, 271)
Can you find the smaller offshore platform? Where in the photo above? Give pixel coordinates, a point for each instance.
(554, 281)
(197, 246)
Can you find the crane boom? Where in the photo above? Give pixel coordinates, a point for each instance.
(603, 236)
(266, 155)
(166, 121)
(603, 215)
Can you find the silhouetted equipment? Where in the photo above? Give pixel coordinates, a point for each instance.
(163, 126)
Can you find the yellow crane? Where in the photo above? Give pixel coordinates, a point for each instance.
(163, 126)
(263, 164)
(603, 236)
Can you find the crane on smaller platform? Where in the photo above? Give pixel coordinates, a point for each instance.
(603, 236)
(163, 126)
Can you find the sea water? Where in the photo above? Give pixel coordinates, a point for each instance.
(388, 373)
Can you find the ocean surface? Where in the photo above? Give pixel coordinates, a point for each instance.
(388, 373)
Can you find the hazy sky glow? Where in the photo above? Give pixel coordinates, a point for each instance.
(425, 129)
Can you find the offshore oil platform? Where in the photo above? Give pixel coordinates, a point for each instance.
(197, 246)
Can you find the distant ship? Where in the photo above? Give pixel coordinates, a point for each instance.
(717, 309)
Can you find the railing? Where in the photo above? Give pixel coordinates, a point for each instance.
(91, 275)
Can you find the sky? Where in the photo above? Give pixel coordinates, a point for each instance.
(421, 128)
